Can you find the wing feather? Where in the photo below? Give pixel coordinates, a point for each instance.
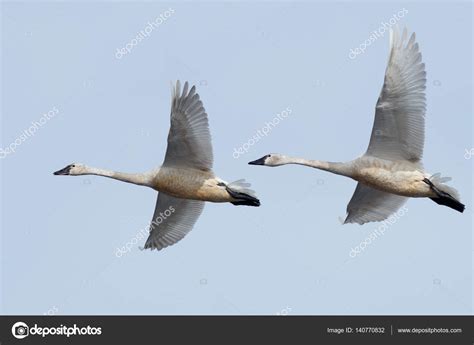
(371, 205)
(173, 219)
(189, 138)
(398, 132)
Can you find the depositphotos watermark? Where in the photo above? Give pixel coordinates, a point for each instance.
(376, 34)
(384, 225)
(21, 330)
(469, 153)
(143, 233)
(262, 132)
(144, 33)
(284, 311)
(29, 132)
(52, 311)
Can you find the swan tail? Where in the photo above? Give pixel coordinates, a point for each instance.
(243, 195)
(445, 195)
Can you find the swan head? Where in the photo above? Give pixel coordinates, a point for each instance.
(72, 169)
(271, 160)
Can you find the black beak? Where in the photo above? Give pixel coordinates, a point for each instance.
(64, 171)
(260, 161)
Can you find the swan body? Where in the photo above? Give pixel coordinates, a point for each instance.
(191, 184)
(185, 180)
(391, 170)
(401, 178)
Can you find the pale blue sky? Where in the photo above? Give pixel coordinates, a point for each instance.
(250, 62)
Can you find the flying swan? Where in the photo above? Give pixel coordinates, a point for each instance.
(391, 169)
(185, 180)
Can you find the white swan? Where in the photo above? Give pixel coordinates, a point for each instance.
(391, 169)
(185, 180)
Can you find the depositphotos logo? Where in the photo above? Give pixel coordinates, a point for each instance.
(21, 330)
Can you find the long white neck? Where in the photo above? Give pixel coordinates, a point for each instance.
(344, 169)
(142, 179)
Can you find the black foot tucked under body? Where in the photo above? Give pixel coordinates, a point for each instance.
(444, 198)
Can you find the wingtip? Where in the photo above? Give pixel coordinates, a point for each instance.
(185, 89)
(176, 88)
(399, 36)
(404, 34)
(392, 37)
(193, 90)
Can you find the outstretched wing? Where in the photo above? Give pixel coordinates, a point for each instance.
(399, 126)
(189, 138)
(172, 220)
(371, 205)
